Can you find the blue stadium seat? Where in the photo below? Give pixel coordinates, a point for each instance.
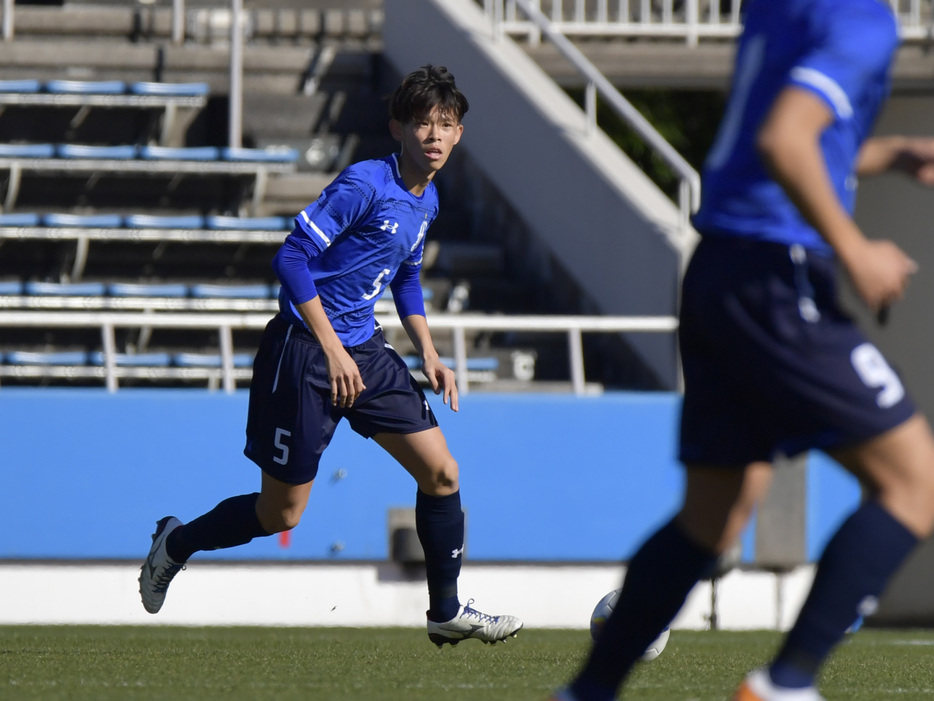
(19, 219)
(268, 155)
(86, 87)
(11, 287)
(171, 153)
(210, 360)
(20, 86)
(68, 289)
(145, 360)
(93, 221)
(164, 221)
(247, 223)
(210, 290)
(169, 89)
(143, 289)
(121, 152)
(46, 358)
(27, 150)
(481, 364)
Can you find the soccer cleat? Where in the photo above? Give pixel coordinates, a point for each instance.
(157, 572)
(759, 687)
(470, 623)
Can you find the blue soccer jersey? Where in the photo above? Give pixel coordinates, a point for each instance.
(365, 230)
(841, 50)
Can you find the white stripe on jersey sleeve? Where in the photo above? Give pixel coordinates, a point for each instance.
(321, 234)
(827, 87)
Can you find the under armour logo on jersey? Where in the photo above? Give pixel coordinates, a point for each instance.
(391, 228)
(455, 553)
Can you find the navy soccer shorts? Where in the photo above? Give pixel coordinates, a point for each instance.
(291, 419)
(771, 363)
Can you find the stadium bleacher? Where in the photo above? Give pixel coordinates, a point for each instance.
(119, 199)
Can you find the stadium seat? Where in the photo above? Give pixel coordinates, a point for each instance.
(145, 360)
(482, 364)
(120, 152)
(85, 87)
(169, 89)
(68, 289)
(247, 223)
(46, 358)
(11, 287)
(156, 221)
(20, 86)
(19, 219)
(209, 290)
(93, 221)
(27, 150)
(170, 153)
(143, 289)
(268, 155)
(210, 360)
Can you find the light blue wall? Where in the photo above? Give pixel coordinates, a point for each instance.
(85, 474)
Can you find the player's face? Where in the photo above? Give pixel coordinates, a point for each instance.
(427, 142)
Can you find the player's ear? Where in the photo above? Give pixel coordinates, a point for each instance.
(395, 128)
(460, 132)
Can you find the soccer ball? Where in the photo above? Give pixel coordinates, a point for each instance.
(602, 611)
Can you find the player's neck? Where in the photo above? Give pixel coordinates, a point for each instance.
(416, 180)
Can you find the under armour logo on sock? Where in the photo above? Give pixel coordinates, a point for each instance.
(455, 553)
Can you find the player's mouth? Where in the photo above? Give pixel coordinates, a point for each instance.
(434, 154)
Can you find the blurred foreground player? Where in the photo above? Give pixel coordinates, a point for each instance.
(323, 358)
(772, 365)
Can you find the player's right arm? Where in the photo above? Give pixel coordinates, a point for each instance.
(789, 143)
(318, 226)
(346, 382)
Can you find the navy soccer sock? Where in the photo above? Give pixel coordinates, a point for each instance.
(232, 522)
(854, 569)
(658, 580)
(439, 522)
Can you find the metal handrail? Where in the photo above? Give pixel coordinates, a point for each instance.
(690, 20)
(458, 324)
(597, 83)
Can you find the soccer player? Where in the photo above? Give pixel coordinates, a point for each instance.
(323, 358)
(772, 365)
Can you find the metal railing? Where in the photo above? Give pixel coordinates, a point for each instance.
(597, 84)
(458, 324)
(691, 21)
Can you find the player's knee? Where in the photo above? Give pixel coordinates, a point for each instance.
(280, 520)
(443, 478)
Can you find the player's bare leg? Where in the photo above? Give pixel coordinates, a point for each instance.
(897, 468)
(280, 505)
(440, 527)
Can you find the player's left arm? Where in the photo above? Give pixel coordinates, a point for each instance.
(441, 377)
(911, 155)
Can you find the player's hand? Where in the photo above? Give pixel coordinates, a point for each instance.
(442, 380)
(879, 271)
(916, 159)
(344, 375)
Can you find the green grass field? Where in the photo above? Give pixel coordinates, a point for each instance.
(100, 663)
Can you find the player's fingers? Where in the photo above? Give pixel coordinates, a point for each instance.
(335, 391)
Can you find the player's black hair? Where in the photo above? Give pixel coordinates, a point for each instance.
(424, 89)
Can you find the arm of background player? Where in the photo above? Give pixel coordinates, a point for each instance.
(789, 144)
(440, 376)
(912, 155)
